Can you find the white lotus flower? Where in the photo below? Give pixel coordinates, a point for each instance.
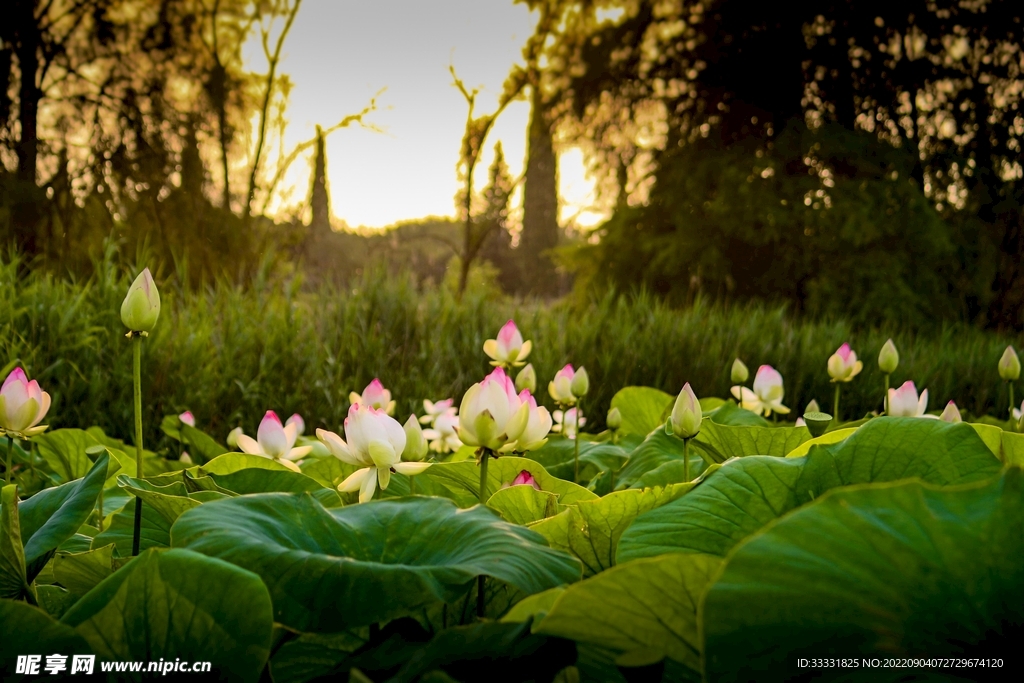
(275, 441)
(561, 387)
(538, 425)
(565, 422)
(767, 393)
(443, 435)
(904, 402)
(300, 424)
(433, 410)
(374, 396)
(951, 413)
(492, 415)
(375, 444)
(23, 405)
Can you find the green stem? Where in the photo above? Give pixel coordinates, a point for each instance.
(412, 486)
(835, 405)
(484, 457)
(137, 381)
(1010, 412)
(686, 459)
(99, 514)
(10, 455)
(885, 396)
(576, 447)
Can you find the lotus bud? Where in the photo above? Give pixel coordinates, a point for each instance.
(23, 405)
(560, 387)
(300, 424)
(524, 478)
(614, 420)
(492, 415)
(508, 349)
(185, 458)
(141, 307)
(580, 384)
(233, 437)
(951, 413)
(686, 414)
(888, 358)
(415, 443)
(739, 372)
(812, 407)
(1009, 365)
(188, 418)
(527, 379)
(904, 402)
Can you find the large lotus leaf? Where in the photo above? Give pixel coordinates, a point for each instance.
(24, 630)
(648, 605)
(330, 570)
(991, 435)
(309, 656)
(887, 570)
(523, 504)
(177, 603)
(327, 470)
(155, 531)
(1012, 450)
(731, 414)
(891, 448)
(748, 493)
(54, 515)
(461, 480)
(170, 500)
(643, 409)
(657, 450)
(591, 529)
(203, 447)
(81, 572)
(242, 473)
(721, 442)
(64, 450)
(558, 457)
(824, 440)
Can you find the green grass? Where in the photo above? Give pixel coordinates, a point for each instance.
(229, 354)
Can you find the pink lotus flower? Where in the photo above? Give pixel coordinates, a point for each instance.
(300, 424)
(767, 394)
(538, 424)
(443, 434)
(524, 478)
(904, 402)
(509, 349)
(432, 410)
(951, 413)
(23, 405)
(275, 441)
(843, 365)
(560, 387)
(188, 418)
(565, 422)
(492, 415)
(374, 396)
(375, 444)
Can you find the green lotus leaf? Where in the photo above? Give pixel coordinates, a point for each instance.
(169, 604)
(333, 569)
(242, 473)
(155, 531)
(643, 409)
(461, 480)
(524, 504)
(902, 569)
(657, 450)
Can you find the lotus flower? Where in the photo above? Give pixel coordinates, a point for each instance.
(565, 422)
(560, 387)
(141, 306)
(375, 444)
(524, 478)
(443, 435)
(188, 418)
(538, 424)
(843, 365)
(1009, 365)
(739, 373)
(432, 410)
(800, 422)
(300, 424)
(951, 413)
(888, 358)
(23, 405)
(1017, 413)
(904, 402)
(527, 379)
(812, 407)
(686, 414)
(767, 394)
(492, 415)
(275, 441)
(374, 396)
(233, 437)
(509, 349)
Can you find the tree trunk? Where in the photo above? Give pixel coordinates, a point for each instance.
(319, 199)
(25, 211)
(540, 202)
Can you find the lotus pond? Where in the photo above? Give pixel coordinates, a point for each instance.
(695, 539)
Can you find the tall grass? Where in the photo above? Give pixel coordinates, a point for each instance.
(229, 354)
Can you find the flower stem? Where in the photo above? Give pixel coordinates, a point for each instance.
(686, 459)
(10, 462)
(484, 457)
(576, 446)
(835, 405)
(137, 381)
(1010, 412)
(885, 396)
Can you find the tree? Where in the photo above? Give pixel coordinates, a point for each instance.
(319, 198)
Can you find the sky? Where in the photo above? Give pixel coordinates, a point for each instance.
(340, 53)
